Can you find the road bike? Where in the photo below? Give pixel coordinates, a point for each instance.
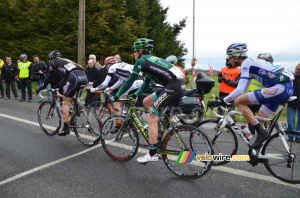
(281, 158)
(121, 143)
(83, 120)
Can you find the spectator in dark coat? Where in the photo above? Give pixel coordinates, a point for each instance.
(39, 71)
(294, 107)
(92, 75)
(8, 73)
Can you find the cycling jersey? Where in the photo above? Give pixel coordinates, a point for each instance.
(64, 66)
(161, 72)
(275, 79)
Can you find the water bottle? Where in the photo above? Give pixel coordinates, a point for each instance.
(145, 127)
(246, 131)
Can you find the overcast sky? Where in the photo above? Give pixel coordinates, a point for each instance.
(265, 25)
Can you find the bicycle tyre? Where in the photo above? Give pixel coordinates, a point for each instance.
(49, 118)
(88, 126)
(193, 140)
(122, 145)
(225, 143)
(279, 167)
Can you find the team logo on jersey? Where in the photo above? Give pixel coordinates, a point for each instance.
(245, 69)
(262, 72)
(139, 66)
(271, 75)
(270, 92)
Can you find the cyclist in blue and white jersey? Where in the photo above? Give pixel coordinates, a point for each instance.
(277, 82)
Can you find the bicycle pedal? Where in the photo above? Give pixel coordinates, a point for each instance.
(252, 162)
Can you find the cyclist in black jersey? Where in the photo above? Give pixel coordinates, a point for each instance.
(74, 78)
(163, 73)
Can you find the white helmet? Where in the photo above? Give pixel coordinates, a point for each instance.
(266, 56)
(172, 59)
(237, 49)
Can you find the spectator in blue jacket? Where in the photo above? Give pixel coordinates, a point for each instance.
(294, 107)
(92, 75)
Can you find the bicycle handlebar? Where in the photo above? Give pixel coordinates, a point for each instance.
(53, 91)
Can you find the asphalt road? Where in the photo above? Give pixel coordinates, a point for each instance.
(36, 165)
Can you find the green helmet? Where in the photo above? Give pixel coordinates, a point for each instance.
(143, 43)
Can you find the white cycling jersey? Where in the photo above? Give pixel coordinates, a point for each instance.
(264, 72)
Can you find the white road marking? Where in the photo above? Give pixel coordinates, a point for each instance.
(141, 150)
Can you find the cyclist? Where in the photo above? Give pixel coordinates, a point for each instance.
(122, 71)
(275, 79)
(162, 72)
(74, 78)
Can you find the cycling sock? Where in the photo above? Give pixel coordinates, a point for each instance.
(255, 122)
(153, 148)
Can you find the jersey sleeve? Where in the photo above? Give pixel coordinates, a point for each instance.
(104, 83)
(117, 84)
(144, 86)
(138, 66)
(245, 69)
(241, 88)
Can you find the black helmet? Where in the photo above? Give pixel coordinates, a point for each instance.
(54, 54)
(266, 56)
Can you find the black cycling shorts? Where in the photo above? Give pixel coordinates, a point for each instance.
(168, 97)
(76, 79)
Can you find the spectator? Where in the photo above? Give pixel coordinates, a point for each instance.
(9, 71)
(40, 70)
(118, 58)
(294, 107)
(97, 64)
(92, 73)
(25, 77)
(173, 59)
(229, 78)
(1, 83)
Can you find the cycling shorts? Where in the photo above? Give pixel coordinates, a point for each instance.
(168, 97)
(75, 80)
(271, 97)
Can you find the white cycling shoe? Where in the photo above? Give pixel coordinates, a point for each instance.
(148, 158)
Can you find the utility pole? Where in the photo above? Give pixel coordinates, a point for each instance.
(81, 32)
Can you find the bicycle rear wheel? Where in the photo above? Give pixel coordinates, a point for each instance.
(121, 144)
(225, 143)
(87, 127)
(182, 164)
(49, 118)
(279, 162)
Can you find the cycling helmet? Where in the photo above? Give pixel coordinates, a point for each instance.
(23, 56)
(110, 60)
(54, 54)
(172, 59)
(237, 49)
(143, 43)
(266, 56)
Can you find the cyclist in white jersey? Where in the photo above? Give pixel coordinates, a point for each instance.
(122, 71)
(277, 84)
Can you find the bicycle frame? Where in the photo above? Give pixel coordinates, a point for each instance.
(132, 116)
(227, 120)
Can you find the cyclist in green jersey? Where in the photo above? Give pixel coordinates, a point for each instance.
(161, 72)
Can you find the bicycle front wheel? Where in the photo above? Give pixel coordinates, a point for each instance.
(224, 143)
(87, 127)
(180, 149)
(119, 142)
(279, 162)
(49, 118)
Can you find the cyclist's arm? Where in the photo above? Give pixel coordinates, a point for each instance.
(144, 86)
(47, 79)
(135, 72)
(105, 82)
(241, 88)
(117, 84)
(127, 84)
(233, 83)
